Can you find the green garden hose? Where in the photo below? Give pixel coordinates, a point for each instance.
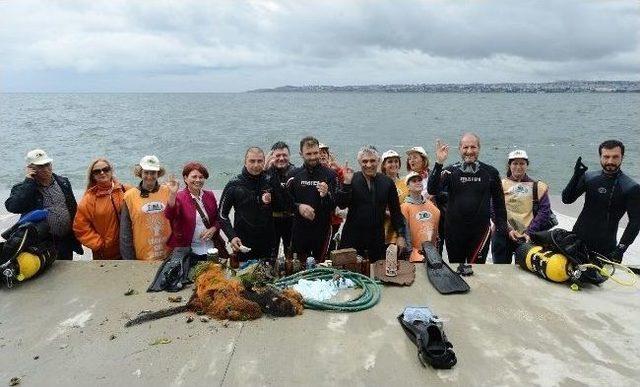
(369, 297)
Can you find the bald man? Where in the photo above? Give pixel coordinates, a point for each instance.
(473, 187)
(249, 194)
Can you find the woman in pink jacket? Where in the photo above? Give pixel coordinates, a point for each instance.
(193, 213)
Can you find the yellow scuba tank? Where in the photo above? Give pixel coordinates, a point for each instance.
(546, 264)
(28, 265)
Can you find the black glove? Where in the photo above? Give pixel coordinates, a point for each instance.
(617, 253)
(580, 168)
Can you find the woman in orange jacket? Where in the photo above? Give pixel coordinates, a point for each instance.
(97, 222)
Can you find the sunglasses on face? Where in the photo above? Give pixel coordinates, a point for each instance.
(98, 171)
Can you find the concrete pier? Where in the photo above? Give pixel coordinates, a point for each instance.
(513, 328)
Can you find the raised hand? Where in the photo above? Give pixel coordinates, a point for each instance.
(172, 184)
(348, 173)
(268, 163)
(30, 172)
(442, 151)
(580, 168)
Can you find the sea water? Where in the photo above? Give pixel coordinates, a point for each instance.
(217, 128)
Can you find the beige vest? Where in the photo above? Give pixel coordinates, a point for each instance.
(518, 198)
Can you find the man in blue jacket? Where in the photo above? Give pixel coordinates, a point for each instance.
(43, 189)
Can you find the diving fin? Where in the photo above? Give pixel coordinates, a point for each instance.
(425, 330)
(441, 276)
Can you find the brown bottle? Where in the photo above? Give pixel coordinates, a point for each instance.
(295, 264)
(365, 265)
(234, 262)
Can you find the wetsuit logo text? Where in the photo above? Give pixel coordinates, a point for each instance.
(470, 179)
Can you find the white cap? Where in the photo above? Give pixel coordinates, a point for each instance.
(150, 163)
(411, 175)
(418, 149)
(388, 154)
(323, 146)
(38, 157)
(518, 154)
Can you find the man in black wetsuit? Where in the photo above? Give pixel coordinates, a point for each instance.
(609, 193)
(473, 187)
(249, 194)
(278, 167)
(311, 189)
(367, 194)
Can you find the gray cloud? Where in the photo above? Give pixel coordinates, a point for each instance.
(232, 45)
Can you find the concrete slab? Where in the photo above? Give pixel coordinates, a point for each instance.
(512, 328)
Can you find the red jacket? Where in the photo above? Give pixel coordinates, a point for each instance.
(183, 214)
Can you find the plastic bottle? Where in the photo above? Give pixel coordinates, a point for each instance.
(311, 263)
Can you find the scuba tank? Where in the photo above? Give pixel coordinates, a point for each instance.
(26, 253)
(28, 264)
(548, 264)
(559, 255)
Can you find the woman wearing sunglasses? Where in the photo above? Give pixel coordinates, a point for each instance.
(97, 222)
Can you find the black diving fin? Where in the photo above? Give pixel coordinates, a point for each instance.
(441, 276)
(425, 330)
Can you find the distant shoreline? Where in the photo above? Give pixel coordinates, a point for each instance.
(515, 87)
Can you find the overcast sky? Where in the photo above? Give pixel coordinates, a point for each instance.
(240, 45)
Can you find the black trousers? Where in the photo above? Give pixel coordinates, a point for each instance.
(502, 248)
(311, 242)
(467, 245)
(282, 227)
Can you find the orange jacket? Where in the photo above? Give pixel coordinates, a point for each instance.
(97, 222)
(422, 220)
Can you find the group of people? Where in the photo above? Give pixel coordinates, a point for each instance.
(465, 206)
